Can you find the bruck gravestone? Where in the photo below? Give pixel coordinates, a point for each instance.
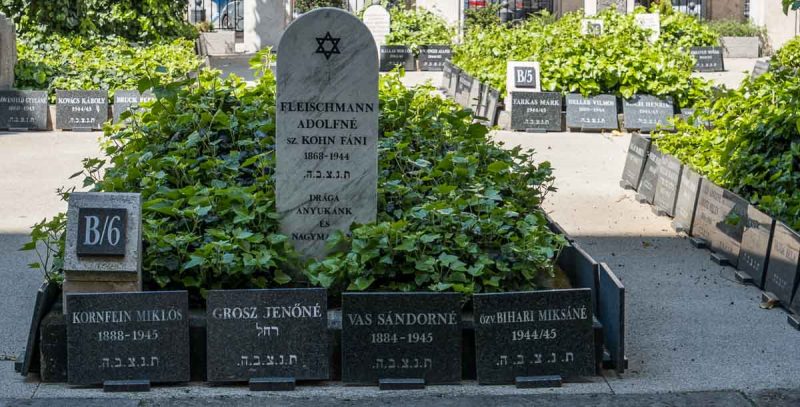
(592, 113)
(327, 128)
(432, 57)
(646, 112)
(536, 111)
(128, 336)
(784, 258)
(125, 100)
(401, 336)
(23, 109)
(708, 59)
(756, 241)
(537, 333)
(82, 110)
(378, 21)
(267, 334)
(635, 161)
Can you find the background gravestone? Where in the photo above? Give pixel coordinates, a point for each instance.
(81, 109)
(687, 200)
(649, 181)
(103, 246)
(393, 56)
(23, 109)
(784, 257)
(452, 89)
(669, 178)
(591, 27)
(650, 21)
(635, 161)
(536, 111)
(756, 241)
(267, 334)
(432, 57)
(327, 128)
(378, 21)
(761, 67)
(8, 52)
(646, 112)
(491, 97)
(447, 75)
(125, 100)
(535, 333)
(128, 336)
(592, 113)
(401, 336)
(719, 219)
(708, 59)
(464, 89)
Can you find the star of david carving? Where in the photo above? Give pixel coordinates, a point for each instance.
(334, 49)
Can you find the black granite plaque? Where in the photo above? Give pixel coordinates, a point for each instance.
(669, 178)
(685, 205)
(593, 113)
(611, 313)
(761, 67)
(401, 336)
(128, 336)
(649, 181)
(452, 86)
(447, 75)
(635, 161)
(23, 110)
(647, 112)
(396, 55)
(81, 109)
(525, 77)
(125, 100)
(432, 57)
(720, 218)
(102, 231)
(580, 268)
(537, 111)
(464, 90)
(756, 241)
(537, 333)
(708, 59)
(267, 333)
(782, 270)
(45, 298)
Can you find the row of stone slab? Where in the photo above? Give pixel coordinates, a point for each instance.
(74, 110)
(429, 58)
(764, 250)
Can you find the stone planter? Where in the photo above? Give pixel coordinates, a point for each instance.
(741, 47)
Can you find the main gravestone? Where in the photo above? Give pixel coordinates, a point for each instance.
(327, 128)
(378, 21)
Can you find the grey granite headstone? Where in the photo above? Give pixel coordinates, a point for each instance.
(128, 336)
(23, 109)
(491, 99)
(8, 52)
(452, 87)
(536, 111)
(104, 237)
(708, 59)
(81, 109)
(401, 336)
(688, 193)
(327, 128)
(649, 182)
(125, 100)
(784, 260)
(756, 242)
(432, 57)
(378, 21)
(638, 149)
(447, 76)
(476, 96)
(611, 313)
(537, 333)
(761, 67)
(464, 90)
(719, 219)
(267, 333)
(669, 178)
(393, 56)
(647, 112)
(593, 113)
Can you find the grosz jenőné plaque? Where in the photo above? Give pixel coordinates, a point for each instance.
(708, 59)
(23, 109)
(638, 149)
(537, 111)
(687, 200)
(327, 128)
(647, 112)
(594, 112)
(81, 109)
(401, 336)
(267, 333)
(537, 333)
(128, 336)
(432, 57)
(784, 263)
(102, 231)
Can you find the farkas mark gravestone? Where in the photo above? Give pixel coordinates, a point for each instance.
(327, 128)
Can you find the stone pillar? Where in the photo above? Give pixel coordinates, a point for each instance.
(264, 23)
(8, 52)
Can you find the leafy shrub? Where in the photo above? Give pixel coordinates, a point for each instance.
(304, 6)
(680, 30)
(482, 17)
(80, 63)
(621, 61)
(137, 20)
(735, 28)
(788, 56)
(416, 27)
(456, 211)
(753, 148)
